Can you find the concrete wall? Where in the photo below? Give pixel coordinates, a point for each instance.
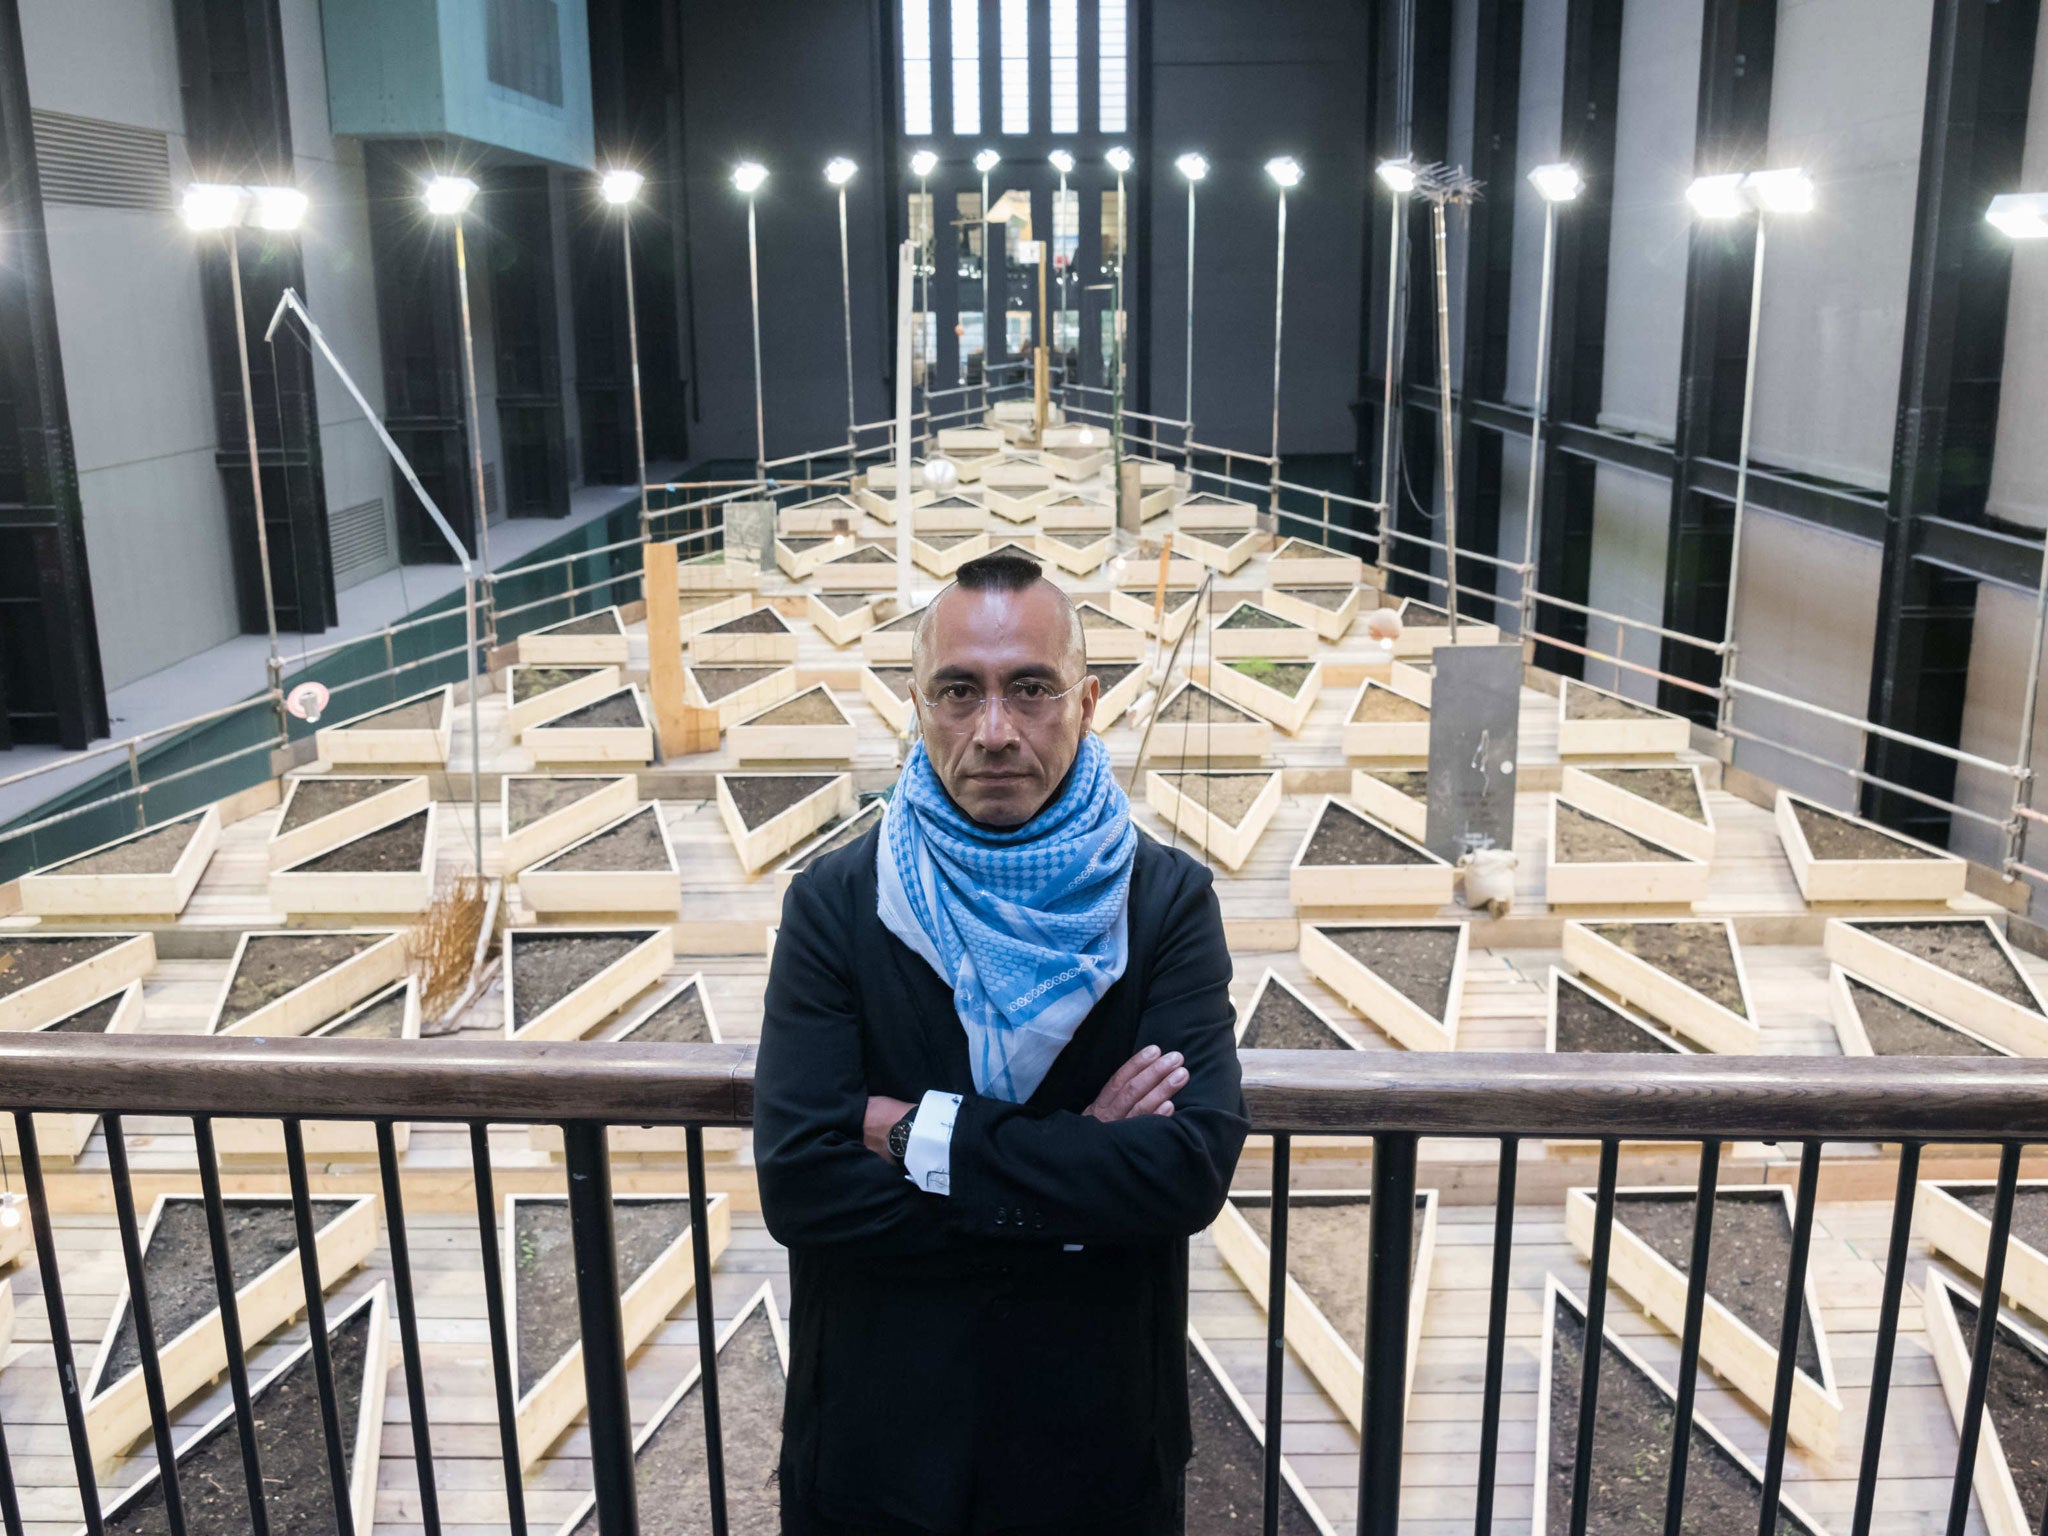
(2019, 472)
(2002, 636)
(1631, 519)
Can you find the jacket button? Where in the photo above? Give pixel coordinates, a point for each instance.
(1002, 1214)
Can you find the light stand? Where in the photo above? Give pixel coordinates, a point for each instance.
(1398, 176)
(747, 177)
(1119, 161)
(839, 172)
(1063, 163)
(1286, 172)
(922, 164)
(619, 188)
(450, 197)
(1555, 184)
(1444, 186)
(1194, 167)
(985, 162)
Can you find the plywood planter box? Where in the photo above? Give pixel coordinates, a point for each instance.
(713, 573)
(986, 441)
(1282, 691)
(799, 554)
(388, 870)
(1015, 503)
(1134, 606)
(414, 730)
(1192, 722)
(808, 727)
(821, 514)
(1076, 461)
(1636, 1413)
(679, 1014)
(290, 1432)
(1349, 860)
(656, 1268)
(1593, 862)
(845, 831)
(1226, 1479)
(941, 554)
(1591, 722)
(767, 814)
(534, 694)
(628, 866)
(1328, 611)
(1073, 512)
(1382, 723)
(760, 638)
(1305, 563)
(1119, 683)
(970, 462)
(1223, 549)
(1666, 805)
(1579, 1021)
(1424, 627)
(1686, 973)
(1224, 813)
(948, 514)
(737, 692)
(1251, 631)
(864, 568)
(1108, 637)
(1955, 967)
(392, 1014)
(1398, 797)
(294, 981)
(152, 872)
(590, 639)
(889, 644)
(561, 983)
(184, 1300)
(841, 617)
(1278, 1018)
(542, 815)
(1413, 679)
(1870, 1021)
(699, 611)
(45, 977)
(614, 729)
(1328, 1263)
(1079, 550)
(325, 812)
(1839, 857)
(887, 690)
(1954, 1216)
(2008, 1475)
(1407, 978)
(877, 493)
(62, 1137)
(1206, 509)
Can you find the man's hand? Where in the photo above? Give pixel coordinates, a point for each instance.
(1144, 1085)
(875, 1124)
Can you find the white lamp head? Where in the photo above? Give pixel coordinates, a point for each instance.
(1783, 191)
(620, 187)
(206, 205)
(1717, 197)
(1559, 183)
(987, 161)
(941, 473)
(840, 171)
(10, 1211)
(748, 176)
(1192, 166)
(2019, 215)
(448, 194)
(1285, 170)
(923, 163)
(1061, 161)
(1398, 176)
(1119, 159)
(280, 208)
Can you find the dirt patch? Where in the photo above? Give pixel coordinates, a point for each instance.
(603, 622)
(1894, 1029)
(1195, 705)
(1283, 1022)
(1329, 1243)
(1697, 954)
(760, 621)
(92, 1019)
(716, 683)
(615, 711)
(1586, 1024)
(383, 1018)
(1746, 1266)
(153, 853)
(633, 844)
(315, 798)
(1245, 616)
(1283, 677)
(274, 964)
(544, 1271)
(2029, 1213)
(1301, 549)
(1674, 789)
(1329, 599)
(1829, 836)
(1412, 782)
(528, 800)
(867, 554)
(1093, 617)
(1228, 797)
(1582, 703)
(942, 542)
(1343, 836)
(290, 1443)
(848, 831)
(177, 1267)
(419, 715)
(397, 849)
(760, 797)
(1584, 839)
(547, 967)
(897, 680)
(669, 1470)
(2016, 1398)
(843, 603)
(24, 961)
(532, 682)
(1416, 962)
(813, 706)
(1383, 706)
(1964, 947)
(679, 1021)
(1225, 1478)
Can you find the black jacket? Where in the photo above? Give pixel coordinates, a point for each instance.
(954, 1364)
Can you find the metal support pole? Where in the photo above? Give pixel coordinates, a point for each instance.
(754, 300)
(598, 1311)
(904, 288)
(476, 735)
(1065, 272)
(2023, 759)
(1116, 429)
(1388, 405)
(633, 354)
(1187, 414)
(926, 253)
(988, 350)
(1444, 417)
(1536, 419)
(1756, 306)
(846, 302)
(482, 542)
(1279, 295)
(255, 466)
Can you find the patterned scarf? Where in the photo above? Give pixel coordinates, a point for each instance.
(1028, 926)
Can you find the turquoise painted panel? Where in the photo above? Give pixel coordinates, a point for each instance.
(383, 67)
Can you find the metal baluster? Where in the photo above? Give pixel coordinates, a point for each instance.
(1276, 1336)
(10, 1501)
(230, 1322)
(1496, 1329)
(1788, 1335)
(141, 1314)
(1596, 1325)
(604, 1343)
(1689, 1344)
(494, 1311)
(707, 1328)
(1386, 1334)
(1887, 1336)
(31, 1158)
(1988, 1299)
(316, 1324)
(408, 1328)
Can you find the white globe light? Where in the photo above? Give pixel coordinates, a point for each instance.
(941, 474)
(1085, 437)
(10, 1212)
(1383, 625)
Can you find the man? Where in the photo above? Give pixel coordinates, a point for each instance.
(997, 1090)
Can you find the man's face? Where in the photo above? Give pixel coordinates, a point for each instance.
(1003, 764)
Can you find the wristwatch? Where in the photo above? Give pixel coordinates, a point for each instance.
(899, 1136)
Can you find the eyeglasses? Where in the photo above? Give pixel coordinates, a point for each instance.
(1030, 701)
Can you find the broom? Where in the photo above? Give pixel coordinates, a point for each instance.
(446, 950)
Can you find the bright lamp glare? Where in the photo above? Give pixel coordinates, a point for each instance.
(923, 163)
(621, 187)
(748, 175)
(1717, 197)
(280, 208)
(1398, 175)
(840, 171)
(1285, 169)
(1786, 191)
(1557, 183)
(1119, 159)
(1192, 166)
(2020, 215)
(987, 161)
(1061, 161)
(449, 194)
(206, 205)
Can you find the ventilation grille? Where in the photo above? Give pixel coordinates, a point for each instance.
(100, 164)
(360, 538)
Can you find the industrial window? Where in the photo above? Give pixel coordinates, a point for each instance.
(1016, 67)
(917, 67)
(1065, 60)
(921, 231)
(967, 66)
(1066, 229)
(523, 48)
(970, 346)
(924, 342)
(969, 223)
(1109, 56)
(1112, 233)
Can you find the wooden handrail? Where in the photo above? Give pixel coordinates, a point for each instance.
(1350, 1093)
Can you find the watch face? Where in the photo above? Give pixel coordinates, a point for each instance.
(899, 1136)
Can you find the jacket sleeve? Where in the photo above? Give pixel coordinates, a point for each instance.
(820, 1185)
(1068, 1177)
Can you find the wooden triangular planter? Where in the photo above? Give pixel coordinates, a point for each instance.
(755, 638)
(1349, 958)
(951, 513)
(1207, 728)
(1225, 1483)
(1261, 687)
(1065, 511)
(1601, 951)
(392, 1014)
(1249, 630)
(941, 553)
(821, 514)
(766, 738)
(1079, 551)
(414, 730)
(321, 813)
(1185, 800)
(1383, 724)
(1633, 797)
(1134, 604)
(534, 694)
(1870, 1020)
(1206, 509)
(1920, 872)
(151, 873)
(322, 887)
(680, 1013)
(1424, 627)
(808, 802)
(863, 568)
(292, 981)
(1109, 637)
(1119, 683)
(1403, 873)
(613, 729)
(586, 877)
(1395, 797)
(846, 830)
(1276, 1011)
(1328, 610)
(888, 643)
(702, 610)
(1224, 549)
(879, 685)
(737, 692)
(1950, 1316)
(45, 977)
(1592, 722)
(1953, 1216)
(633, 960)
(1613, 1028)
(590, 639)
(1655, 876)
(60, 1138)
(543, 813)
(1893, 952)
(841, 617)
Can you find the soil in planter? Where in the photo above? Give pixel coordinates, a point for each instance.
(1211, 501)
(896, 679)
(1416, 962)
(951, 504)
(93, 1019)
(397, 849)
(1110, 673)
(603, 622)
(848, 831)
(814, 706)
(1587, 704)
(867, 554)
(1697, 954)
(1329, 599)
(1078, 501)
(802, 544)
(690, 602)
(1671, 788)
(679, 1021)
(1586, 1024)
(153, 853)
(633, 844)
(177, 1266)
(1301, 549)
(669, 1470)
(1964, 949)
(532, 682)
(1283, 1022)
(1328, 1242)
(1177, 597)
(544, 1271)
(1197, 706)
(315, 798)
(24, 961)
(1225, 1478)
(531, 799)
(382, 1019)
(1894, 1029)
(612, 712)
(902, 625)
(274, 964)
(1283, 677)
(716, 683)
(1425, 615)
(760, 621)
(1093, 617)
(1228, 797)
(1412, 782)
(1245, 616)
(1584, 839)
(2016, 1399)
(1745, 1267)
(843, 603)
(1829, 836)
(1383, 706)
(419, 715)
(1345, 837)
(2029, 1213)
(1078, 538)
(1632, 1452)
(941, 542)
(1219, 538)
(760, 797)
(547, 967)
(290, 1443)
(1018, 551)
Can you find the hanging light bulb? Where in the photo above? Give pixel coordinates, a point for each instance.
(10, 1211)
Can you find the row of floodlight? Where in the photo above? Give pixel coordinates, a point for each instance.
(750, 176)
(206, 205)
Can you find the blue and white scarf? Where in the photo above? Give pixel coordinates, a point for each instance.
(1028, 926)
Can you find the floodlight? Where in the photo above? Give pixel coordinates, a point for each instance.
(1286, 170)
(1119, 159)
(621, 187)
(2020, 215)
(1061, 161)
(1558, 183)
(1783, 191)
(1398, 175)
(987, 161)
(840, 171)
(748, 175)
(448, 194)
(1717, 197)
(209, 205)
(1192, 166)
(923, 163)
